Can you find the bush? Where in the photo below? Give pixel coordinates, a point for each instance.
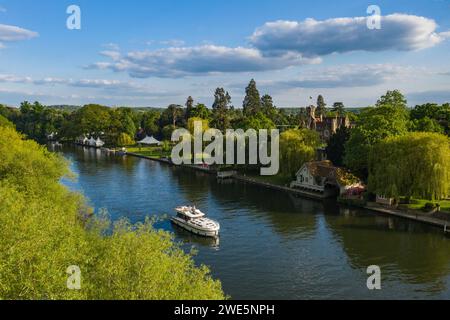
(44, 230)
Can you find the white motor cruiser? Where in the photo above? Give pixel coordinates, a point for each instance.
(193, 220)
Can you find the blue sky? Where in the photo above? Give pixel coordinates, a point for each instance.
(153, 53)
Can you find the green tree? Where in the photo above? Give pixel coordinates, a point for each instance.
(167, 132)
(221, 108)
(173, 115)
(321, 106)
(5, 122)
(416, 164)
(296, 148)
(200, 111)
(45, 228)
(336, 146)
(124, 140)
(388, 118)
(189, 107)
(426, 125)
(252, 100)
(338, 108)
(150, 122)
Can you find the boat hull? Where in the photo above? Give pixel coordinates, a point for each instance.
(196, 230)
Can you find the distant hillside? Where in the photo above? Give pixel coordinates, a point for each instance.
(72, 108)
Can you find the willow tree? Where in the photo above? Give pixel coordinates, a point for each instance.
(296, 148)
(416, 164)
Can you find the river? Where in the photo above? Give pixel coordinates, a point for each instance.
(272, 245)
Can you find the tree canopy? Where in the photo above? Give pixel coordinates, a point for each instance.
(297, 146)
(388, 118)
(416, 164)
(45, 228)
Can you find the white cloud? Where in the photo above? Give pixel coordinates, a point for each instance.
(173, 43)
(348, 76)
(200, 60)
(317, 38)
(13, 33)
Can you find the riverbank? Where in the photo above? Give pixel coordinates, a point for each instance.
(414, 215)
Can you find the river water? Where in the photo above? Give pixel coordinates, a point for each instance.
(272, 245)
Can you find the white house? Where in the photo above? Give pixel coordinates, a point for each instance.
(323, 177)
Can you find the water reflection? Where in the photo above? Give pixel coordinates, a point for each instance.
(273, 245)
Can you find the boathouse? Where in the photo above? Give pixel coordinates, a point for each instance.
(323, 177)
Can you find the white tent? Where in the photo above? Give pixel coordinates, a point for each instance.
(150, 141)
(99, 143)
(92, 142)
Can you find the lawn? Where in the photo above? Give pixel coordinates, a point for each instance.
(153, 152)
(418, 204)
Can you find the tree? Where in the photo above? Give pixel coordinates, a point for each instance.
(167, 132)
(45, 228)
(193, 120)
(172, 115)
(124, 140)
(388, 118)
(338, 108)
(268, 108)
(336, 146)
(5, 122)
(426, 125)
(439, 114)
(221, 107)
(189, 107)
(321, 106)
(416, 164)
(121, 121)
(150, 122)
(256, 122)
(201, 111)
(296, 148)
(394, 99)
(252, 100)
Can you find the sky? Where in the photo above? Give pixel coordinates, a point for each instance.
(154, 53)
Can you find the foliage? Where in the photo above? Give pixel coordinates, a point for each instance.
(388, 118)
(124, 140)
(150, 124)
(438, 114)
(200, 111)
(189, 107)
(44, 229)
(336, 146)
(167, 132)
(321, 106)
(338, 108)
(296, 148)
(256, 122)
(192, 121)
(426, 125)
(252, 100)
(5, 122)
(416, 164)
(221, 107)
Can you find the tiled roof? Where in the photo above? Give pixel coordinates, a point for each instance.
(325, 169)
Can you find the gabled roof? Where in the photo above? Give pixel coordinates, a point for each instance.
(325, 169)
